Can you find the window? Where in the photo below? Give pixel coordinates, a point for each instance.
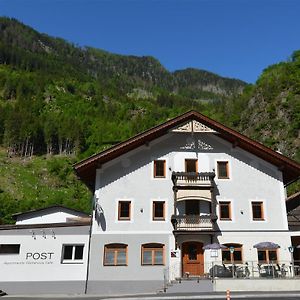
(267, 255)
(72, 253)
(225, 210)
(257, 211)
(159, 168)
(158, 210)
(115, 255)
(152, 254)
(9, 248)
(124, 210)
(223, 172)
(232, 256)
(191, 165)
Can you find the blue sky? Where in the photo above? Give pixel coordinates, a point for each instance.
(233, 38)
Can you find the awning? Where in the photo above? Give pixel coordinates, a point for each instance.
(266, 245)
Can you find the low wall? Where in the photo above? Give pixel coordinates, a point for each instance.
(221, 285)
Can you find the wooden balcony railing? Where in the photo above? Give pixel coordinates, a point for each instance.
(193, 178)
(192, 222)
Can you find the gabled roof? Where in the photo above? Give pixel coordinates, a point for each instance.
(86, 169)
(49, 208)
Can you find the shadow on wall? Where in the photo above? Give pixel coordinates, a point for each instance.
(101, 221)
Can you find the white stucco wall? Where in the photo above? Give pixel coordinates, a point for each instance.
(130, 177)
(29, 265)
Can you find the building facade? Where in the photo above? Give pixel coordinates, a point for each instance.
(163, 195)
(45, 252)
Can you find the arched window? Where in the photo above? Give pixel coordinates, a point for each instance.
(233, 254)
(115, 255)
(153, 254)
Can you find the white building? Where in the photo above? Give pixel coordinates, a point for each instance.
(163, 195)
(45, 252)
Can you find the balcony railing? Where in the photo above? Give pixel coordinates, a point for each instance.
(192, 223)
(193, 178)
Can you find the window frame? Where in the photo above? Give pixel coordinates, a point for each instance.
(237, 247)
(186, 163)
(230, 210)
(154, 218)
(115, 248)
(262, 215)
(72, 260)
(219, 162)
(155, 168)
(153, 247)
(267, 251)
(120, 202)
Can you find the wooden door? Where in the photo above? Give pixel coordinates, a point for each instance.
(192, 259)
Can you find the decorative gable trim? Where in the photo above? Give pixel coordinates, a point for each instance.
(193, 126)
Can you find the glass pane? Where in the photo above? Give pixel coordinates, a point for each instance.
(192, 251)
(159, 209)
(147, 257)
(224, 211)
(158, 257)
(78, 252)
(222, 170)
(272, 255)
(257, 210)
(237, 255)
(121, 257)
(261, 254)
(109, 257)
(226, 256)
(68, 250)
(124, 209)
(159, 168)
(9, 248)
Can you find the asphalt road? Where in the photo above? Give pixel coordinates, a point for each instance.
(285, 296)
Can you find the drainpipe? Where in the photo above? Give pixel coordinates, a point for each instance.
(89, 247)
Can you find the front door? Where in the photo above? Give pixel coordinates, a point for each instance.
(192, 259)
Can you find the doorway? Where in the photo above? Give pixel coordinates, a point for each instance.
(192, 259)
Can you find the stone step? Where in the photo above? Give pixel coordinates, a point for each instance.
(190, 286)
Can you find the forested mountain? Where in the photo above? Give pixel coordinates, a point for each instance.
(60, 103)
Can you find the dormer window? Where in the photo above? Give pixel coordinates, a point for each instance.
(159, 168)
(191, 165)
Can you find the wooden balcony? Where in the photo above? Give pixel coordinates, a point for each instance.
(185, 179)
(192, 223)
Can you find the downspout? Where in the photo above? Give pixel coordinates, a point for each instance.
(89, 247)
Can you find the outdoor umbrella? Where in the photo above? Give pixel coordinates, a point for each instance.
(214, 246)
(266, 245)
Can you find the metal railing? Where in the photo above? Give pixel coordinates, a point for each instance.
(192, 222)
(251, 270)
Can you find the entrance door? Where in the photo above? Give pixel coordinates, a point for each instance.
(192, 259)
